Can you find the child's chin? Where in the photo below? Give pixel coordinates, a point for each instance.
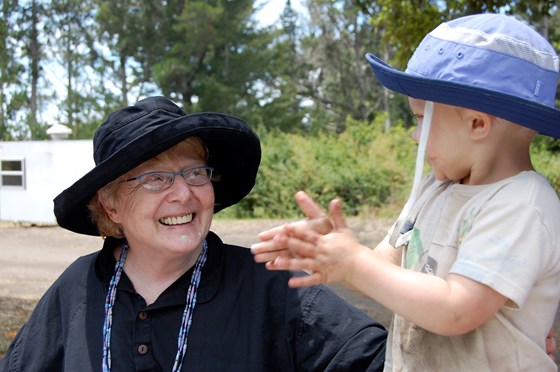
(441, 177)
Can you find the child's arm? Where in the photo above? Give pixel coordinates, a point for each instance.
(447, 306)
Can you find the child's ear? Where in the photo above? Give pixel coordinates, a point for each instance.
(479, 125)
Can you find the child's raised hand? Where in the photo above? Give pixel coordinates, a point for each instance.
(326, 258)
(268, 249)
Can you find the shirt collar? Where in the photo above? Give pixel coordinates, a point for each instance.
(176, 292)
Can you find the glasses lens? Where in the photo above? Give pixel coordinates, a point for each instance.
(198, 176)
(156, 181)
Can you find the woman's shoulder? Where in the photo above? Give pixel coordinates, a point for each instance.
(79, 278)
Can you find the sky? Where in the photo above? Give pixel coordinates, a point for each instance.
(272, 8)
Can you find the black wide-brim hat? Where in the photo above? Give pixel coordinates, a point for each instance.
(135, 134)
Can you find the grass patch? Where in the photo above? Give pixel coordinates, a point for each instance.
(15, 312)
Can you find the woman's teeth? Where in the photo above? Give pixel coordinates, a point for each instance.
(176, 220)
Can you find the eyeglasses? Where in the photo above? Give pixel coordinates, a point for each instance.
(161, 180)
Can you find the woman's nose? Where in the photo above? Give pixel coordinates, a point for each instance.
(179, 190)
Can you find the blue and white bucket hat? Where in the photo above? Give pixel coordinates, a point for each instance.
(491, 63)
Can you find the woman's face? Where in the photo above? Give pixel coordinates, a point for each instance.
(170, 222)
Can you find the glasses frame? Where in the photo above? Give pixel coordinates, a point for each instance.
(183, 173)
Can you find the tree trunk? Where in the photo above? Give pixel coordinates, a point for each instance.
(34, 52)
(124, 86)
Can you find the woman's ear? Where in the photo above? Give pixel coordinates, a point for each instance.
(109, 205)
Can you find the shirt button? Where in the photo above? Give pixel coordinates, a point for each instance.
(143, 315)
(143, 349)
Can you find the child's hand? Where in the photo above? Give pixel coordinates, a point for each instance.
(326, 258)
(268, 249)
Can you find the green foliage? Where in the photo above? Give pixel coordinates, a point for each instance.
(368, 169)
(545, 154)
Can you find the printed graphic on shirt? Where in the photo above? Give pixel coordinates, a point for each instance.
(466, 226)
(430, 267)
(414, 250)
(417, 258)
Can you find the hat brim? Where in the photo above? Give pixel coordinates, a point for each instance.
(541, 118)
(234, 152)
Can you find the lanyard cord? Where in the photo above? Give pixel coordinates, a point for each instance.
(187, 313)
(403, 223)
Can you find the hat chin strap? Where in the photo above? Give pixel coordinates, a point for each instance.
(403, 227)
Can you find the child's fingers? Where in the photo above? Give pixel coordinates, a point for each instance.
(264, 252)
(293, 264)
(300, 244)
(316, 216)
(308, 205)
(301, 231)
(337, 214)
(317, 219)
(279, 244)
(269, 234)
(264, 247)
(306, 281)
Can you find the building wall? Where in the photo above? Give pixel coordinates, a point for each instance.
(50, 167)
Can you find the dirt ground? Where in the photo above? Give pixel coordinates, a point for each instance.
(32, 257)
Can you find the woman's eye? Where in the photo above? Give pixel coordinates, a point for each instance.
(155, 178)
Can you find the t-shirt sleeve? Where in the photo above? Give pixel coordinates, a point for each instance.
(507, 248)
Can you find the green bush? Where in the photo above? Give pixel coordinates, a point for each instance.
(369, 169)
(545, 154)
(366, 168)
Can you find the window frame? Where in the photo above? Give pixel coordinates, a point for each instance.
(21, 173)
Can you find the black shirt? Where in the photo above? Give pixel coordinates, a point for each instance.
(246, 319)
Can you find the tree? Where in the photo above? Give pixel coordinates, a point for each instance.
(32, 50)
(13, 93)
(128, 30)
(338, 80)
(208, 56)
(73, 46)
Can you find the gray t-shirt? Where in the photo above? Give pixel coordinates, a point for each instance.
(505, 235)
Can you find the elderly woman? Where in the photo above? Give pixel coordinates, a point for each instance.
(164, 293)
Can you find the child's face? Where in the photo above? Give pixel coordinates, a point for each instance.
(448, 147)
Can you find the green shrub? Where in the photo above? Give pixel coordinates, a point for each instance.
(366, 168)
(545, 154)
(369, 169)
